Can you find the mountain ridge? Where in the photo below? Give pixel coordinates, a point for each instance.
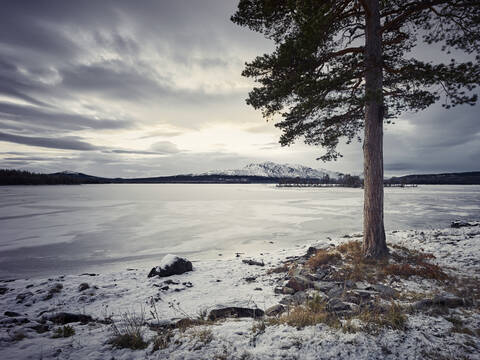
(275, 170)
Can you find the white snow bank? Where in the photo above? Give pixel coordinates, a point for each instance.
(216, 282)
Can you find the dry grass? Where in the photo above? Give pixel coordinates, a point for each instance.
(403, 262)
(458, 326)
(322, 257)
(421, 269)
(392, 317)
(128, 333)
(375, 319)
(279, 269)
(312, 313)
(162, 340)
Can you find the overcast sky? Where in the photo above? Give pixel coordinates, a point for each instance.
(142, 88)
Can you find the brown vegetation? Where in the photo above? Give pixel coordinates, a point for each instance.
(322, 257)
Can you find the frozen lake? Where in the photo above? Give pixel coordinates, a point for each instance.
(47, 230)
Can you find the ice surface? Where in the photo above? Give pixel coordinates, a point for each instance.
(51, 230)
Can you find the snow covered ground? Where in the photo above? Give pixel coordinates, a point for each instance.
(230, 282)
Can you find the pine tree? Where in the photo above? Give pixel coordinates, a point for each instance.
(340, 67)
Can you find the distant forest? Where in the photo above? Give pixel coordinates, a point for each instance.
(21, 177)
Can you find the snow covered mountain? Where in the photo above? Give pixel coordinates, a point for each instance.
(271, 169)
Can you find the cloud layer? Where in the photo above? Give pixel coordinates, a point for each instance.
(118, 88)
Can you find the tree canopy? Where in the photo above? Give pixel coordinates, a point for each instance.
(314, 79)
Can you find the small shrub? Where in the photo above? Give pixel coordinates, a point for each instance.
(377, 317)
(128, 333)
(312, 313)
(424, 270)
(63, 332)
(162, 340)
(205, 336)
(322, 257)
(18, 336)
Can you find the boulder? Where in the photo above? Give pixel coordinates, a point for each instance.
(171, 265)
(253, 262)
(296, 299)
(234, 312)
(459, 224)
(275, 310)
(324, 286)
(299, 283)
(63, 318)
(83, 286)
(335, 291)
(385, 291)
(336, 305)
(12, 314)
(442, 301)
(23, 296)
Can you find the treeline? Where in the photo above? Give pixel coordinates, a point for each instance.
(345, 180)
(21, 177)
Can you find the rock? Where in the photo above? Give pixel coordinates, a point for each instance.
(171, 265)
(335, 291)
(336, 305)
(349, 283)
(250, 279)
(234, 312)
(3, 290)
(54, 289)
(40, 328)
(258, 289)
(171, 282)
(459, 224)
(287, 291)
(364, 294)
(324, 286)
(275, 310)
(299, 283)
(253, 262)
(278, 290)
(67, 318)
(311, 251)
(21, 297)
(385, 291)
(442, 301)
(12, 314)
(83, 286)
(296, 299)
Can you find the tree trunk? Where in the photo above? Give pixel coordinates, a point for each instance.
(374, 244)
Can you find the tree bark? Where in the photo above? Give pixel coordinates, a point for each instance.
(374, 244)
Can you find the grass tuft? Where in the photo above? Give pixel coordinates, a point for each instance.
(128, 333)
(322, 257)
(63, 332)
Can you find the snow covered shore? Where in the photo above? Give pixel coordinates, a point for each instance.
(28, 329)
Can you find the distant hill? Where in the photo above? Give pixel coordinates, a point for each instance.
(271, 169)
(464, 178)
(265, 173)
(20, 177)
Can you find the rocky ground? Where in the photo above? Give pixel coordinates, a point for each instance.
(319, 302)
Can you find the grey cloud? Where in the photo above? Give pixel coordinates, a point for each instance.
(165, 147)
(66, 143)
(56, 119)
